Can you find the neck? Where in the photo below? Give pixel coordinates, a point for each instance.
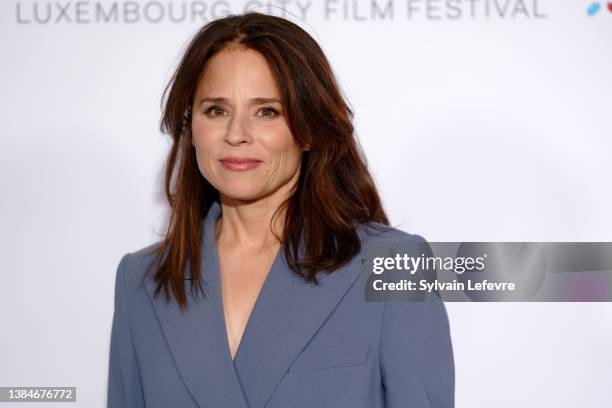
(248, 224)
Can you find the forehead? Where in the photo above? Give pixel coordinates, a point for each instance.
(233, 70)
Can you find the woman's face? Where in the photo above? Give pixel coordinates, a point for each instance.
(243, 144)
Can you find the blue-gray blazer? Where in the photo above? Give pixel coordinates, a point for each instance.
(303, 346)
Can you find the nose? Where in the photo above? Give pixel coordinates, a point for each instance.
(237, 131)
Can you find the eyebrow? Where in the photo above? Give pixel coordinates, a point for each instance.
(254, 101)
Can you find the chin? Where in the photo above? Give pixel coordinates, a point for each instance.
(242, 193)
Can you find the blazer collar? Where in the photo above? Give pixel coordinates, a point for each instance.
(286, 314)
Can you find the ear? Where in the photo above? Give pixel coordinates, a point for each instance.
(306, 147)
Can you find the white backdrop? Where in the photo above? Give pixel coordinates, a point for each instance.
(498, 112)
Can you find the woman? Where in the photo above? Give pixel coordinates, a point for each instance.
(272, 203)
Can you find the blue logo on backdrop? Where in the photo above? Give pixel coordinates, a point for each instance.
(595, 7)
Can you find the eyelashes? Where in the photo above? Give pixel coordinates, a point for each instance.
(211, 111)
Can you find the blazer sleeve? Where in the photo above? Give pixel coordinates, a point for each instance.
(417, 364)
(124, 385)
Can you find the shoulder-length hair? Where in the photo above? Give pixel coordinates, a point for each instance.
(335, 192)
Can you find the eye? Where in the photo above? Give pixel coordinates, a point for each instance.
(214, 109)
(268, 112)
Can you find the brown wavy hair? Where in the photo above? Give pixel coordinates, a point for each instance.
(335, 191)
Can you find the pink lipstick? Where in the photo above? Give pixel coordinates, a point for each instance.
(240, 163)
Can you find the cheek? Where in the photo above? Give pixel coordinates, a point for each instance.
(205, 136)
(284, 148)
(201, 134)
(200, 143)
(204, 146)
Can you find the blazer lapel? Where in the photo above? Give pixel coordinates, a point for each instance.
(197, 338)
(286, 314)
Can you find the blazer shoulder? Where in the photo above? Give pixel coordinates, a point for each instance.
(137, 262)
(377, 233)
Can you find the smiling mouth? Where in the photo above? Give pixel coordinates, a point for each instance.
(240, 163)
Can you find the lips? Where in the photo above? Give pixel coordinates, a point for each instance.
(239, 160)
(240, 163)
